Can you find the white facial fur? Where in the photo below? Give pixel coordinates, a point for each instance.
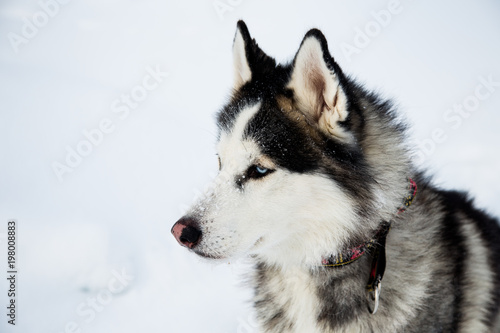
(289, 218)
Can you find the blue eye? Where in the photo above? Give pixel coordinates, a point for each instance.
(256, 171)
(261, 170)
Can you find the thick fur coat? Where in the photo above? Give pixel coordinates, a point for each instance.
(311, 165)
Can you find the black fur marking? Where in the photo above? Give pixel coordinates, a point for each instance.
(266, 85)
(285, 142)
(282, 140)
(455, 247)
(350, 169)
(490, 230)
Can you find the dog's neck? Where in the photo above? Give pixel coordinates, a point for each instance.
(352, 254)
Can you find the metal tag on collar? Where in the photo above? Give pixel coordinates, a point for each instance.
(378, 268)
(375, 296)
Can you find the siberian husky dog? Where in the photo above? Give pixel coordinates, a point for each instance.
(317, 187)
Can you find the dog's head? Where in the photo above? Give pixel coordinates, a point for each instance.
(294, 182)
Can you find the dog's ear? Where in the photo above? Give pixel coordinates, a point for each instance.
(316, 86)
(249, 60)
(242, 72)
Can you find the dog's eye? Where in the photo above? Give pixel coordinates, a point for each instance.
(220, 163)
(261, 170)
(257, 171)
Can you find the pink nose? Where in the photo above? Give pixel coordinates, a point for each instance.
(186, 232)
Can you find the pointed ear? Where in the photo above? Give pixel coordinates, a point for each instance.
(250, 62)
(241, 49)
(316, 86)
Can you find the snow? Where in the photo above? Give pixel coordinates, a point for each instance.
(112, 214)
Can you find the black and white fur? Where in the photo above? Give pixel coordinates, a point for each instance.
(311, 164)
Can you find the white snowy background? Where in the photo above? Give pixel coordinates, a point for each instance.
(65, 67)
